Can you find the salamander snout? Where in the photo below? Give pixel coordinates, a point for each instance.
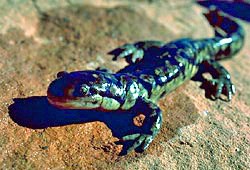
(82, 89)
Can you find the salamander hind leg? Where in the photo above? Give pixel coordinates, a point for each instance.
(221, 82)
(133, 53)
(150, 128)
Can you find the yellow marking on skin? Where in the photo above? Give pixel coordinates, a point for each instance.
(189, 52)
(159, 71)
(167, 63)
(116, 91)
(110, 104)
(128, 103)
(143, 92)
(79, 102)
(171, 69)
(84, 89)
(100, 87)
(164, 55)
(131, 96)
(181, 60)
(147, 78)
(95, 75)
(167, 88)
(164, 79)
(156, 92)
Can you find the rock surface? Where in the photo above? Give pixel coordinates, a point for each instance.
(37, 40)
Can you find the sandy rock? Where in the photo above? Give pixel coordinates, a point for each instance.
(38, 40)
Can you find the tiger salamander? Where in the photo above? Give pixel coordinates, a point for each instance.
(155, 68)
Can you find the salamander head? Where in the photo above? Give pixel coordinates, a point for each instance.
(79, 90)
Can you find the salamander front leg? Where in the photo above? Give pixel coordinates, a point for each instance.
(221, 80)
(133, 53)
(151, 125)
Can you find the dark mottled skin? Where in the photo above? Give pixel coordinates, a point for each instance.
(155, 68)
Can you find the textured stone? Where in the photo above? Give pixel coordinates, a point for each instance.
(39, 40)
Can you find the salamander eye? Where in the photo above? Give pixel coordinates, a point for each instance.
(84, 89)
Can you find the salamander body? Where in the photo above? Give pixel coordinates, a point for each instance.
(155, 68)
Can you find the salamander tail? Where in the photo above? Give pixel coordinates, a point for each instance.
(229, 35)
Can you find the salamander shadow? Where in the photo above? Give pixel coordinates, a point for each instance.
(36, 113)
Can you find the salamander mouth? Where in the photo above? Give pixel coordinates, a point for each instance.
(92, 102)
